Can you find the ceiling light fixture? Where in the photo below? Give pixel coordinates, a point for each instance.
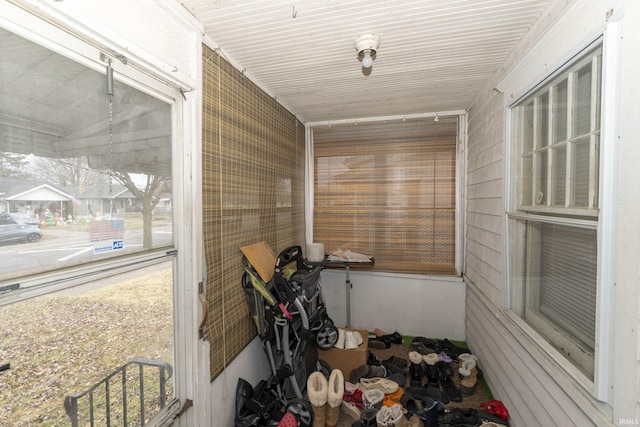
(366, 45)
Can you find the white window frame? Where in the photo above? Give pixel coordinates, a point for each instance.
(600, 387)
(140, 74)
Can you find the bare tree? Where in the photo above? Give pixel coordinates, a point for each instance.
(13, 165)
(68, 172)
(149, 195)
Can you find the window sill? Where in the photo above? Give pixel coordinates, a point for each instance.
(571, 379)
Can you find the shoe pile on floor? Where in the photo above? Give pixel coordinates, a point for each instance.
(411, 392)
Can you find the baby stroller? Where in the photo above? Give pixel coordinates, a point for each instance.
(292, 321)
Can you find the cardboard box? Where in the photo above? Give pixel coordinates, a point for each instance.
(347, 360)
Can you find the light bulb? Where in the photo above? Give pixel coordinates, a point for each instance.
(367, 61)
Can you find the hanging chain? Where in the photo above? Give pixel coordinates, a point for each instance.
(110, 142)
(110, 96)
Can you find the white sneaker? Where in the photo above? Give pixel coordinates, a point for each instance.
(341, 338)
(383, 417)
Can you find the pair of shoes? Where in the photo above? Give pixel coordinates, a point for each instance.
(429, 345)
(453, 350)
(431, 371)
(348, 340)
(395, 364)
(458, 417)
(394, 416)
(367, 371)
(380, 342)
(385, 341)
(446, 382)
(325, 397)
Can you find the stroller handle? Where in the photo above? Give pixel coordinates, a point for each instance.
(292, 253)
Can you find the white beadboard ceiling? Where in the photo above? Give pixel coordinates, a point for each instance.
(434, 55)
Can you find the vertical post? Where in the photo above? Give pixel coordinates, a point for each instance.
(141, 394)
(124, 396)
(348, 286)
(107, 403)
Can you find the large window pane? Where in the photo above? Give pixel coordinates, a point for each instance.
(567, 282)
(85, 176)
(553, 253)
(85, 193)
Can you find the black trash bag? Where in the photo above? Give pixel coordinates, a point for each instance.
(259, 407)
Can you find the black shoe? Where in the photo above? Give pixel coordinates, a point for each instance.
(367, 418)
(395, 338)
(449, 389)
(452, 350)
(425, 392)
(392, 368)
(429, 412)
(446, 382)
(432, 374)
(436, 345)
(458, 417)
(416, 372)
(380, 342)
(373, 360)
(398, 361)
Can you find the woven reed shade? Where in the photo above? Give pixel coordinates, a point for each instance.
(253, 190)
(387, 190)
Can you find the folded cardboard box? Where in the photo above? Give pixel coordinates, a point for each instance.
(347, 360)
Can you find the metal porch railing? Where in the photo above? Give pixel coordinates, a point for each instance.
(100, 395)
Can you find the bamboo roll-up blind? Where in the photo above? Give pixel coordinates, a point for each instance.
(387, 189)
(253, 190)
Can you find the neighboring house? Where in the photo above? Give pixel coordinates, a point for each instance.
(34, 198)
(103, 199)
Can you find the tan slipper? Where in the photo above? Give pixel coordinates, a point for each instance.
(387, 386)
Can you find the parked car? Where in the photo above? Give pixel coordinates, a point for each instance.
(12, 231)
(18, 217)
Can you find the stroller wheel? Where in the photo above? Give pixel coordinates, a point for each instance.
(302, 410)
(327, 336)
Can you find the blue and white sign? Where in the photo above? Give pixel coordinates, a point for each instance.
(107, 246)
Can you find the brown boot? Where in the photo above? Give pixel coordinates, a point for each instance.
(334, 397)
(317, 388)
(469, 377)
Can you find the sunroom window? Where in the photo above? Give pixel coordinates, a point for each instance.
(86, 237)
(554, 211)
